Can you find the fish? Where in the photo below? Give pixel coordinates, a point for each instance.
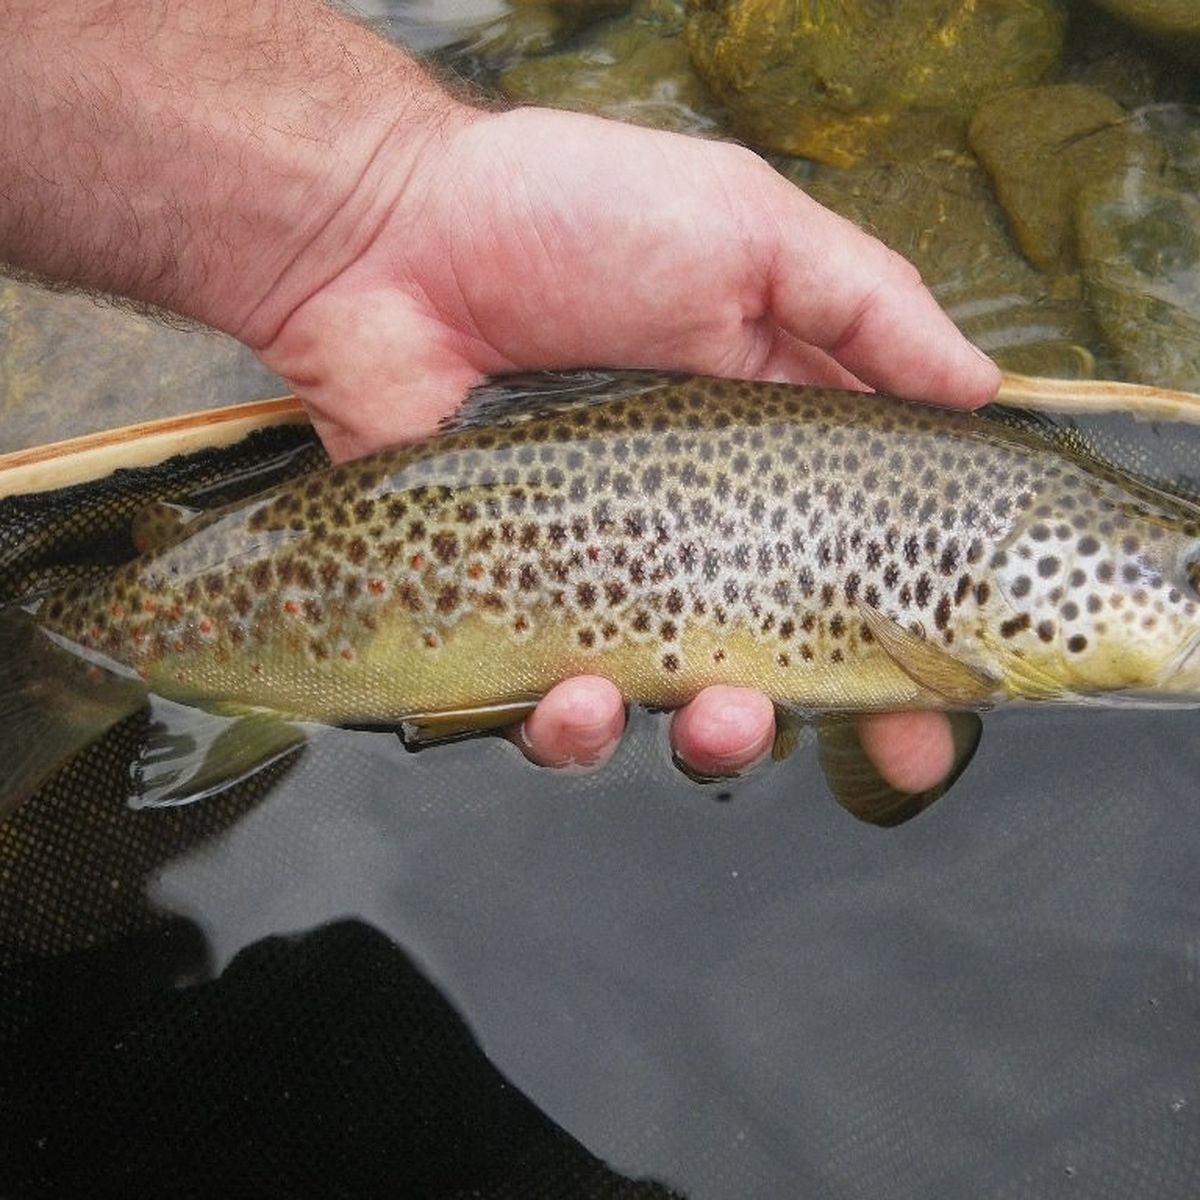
(842, 552)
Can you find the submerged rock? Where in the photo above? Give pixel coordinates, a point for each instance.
(1042, 146)
(1176, 23)
(633, 68)
(1105, 53)
(940, 215)
(72, 365)
(1139, 241)
(835, 81)
(525, 28)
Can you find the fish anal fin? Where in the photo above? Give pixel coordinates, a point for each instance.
(190, 753)
(861, 790)
(420, 730)
(927, 664)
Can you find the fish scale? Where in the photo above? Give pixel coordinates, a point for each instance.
(692, 532)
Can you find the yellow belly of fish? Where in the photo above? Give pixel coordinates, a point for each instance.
(396, 673)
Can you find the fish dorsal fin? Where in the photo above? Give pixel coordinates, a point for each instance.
(511, 399)
(860, 789)
(159, 524)
(190, 753)
(928, 664)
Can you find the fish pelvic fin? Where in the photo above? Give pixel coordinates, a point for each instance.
(55, 699)
(191, 753)
(860, 789)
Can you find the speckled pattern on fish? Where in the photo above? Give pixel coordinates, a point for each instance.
(695, 531)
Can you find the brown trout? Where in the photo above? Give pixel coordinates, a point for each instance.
(841, 552)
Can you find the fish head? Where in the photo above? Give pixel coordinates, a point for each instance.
(1099, 595)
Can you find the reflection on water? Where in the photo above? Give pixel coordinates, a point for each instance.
(760, 996)
(734, 993)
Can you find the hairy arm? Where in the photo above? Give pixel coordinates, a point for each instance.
(190, 153)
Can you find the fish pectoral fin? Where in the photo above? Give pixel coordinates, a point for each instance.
(159, 524)
(862, 791)
(418, 731)
(927, 664)
(191, 753)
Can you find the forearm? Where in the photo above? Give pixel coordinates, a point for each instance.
(201, 155)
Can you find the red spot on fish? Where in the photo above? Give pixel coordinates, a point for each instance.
(116, 612)
(593, 553)
(206, 626)
(347, 653)
(474, 571)
(417, 562)
(179, 646)
(291, 606)
(375, 586)
(94, 633)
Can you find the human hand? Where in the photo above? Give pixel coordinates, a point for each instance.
(533, 239)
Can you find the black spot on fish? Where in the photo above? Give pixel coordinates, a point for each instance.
(1015, 625)
(941, 614)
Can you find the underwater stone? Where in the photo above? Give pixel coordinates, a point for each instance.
(70, 365)
(941, 215)
(632, 68)
(1042, 145)
(528, 27)
(831, 81)
(1176, 23)
(1139, 241)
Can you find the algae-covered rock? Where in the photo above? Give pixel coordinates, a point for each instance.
(1139, 241)
(70, 365)
(1176, 23)
(830, 79)
(1042, 145)
(633, 68)
(941, 216)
